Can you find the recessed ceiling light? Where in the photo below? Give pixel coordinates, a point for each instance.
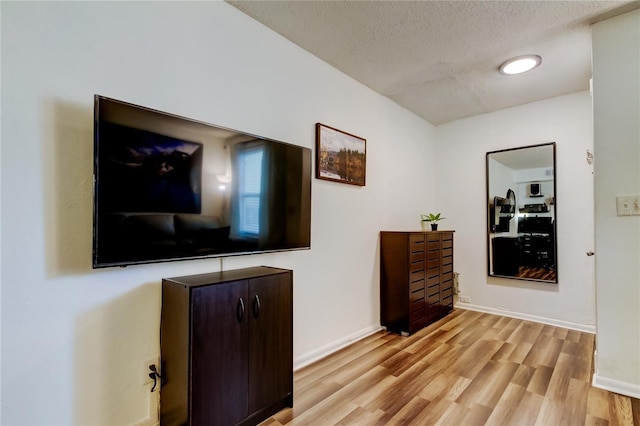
(520, 64)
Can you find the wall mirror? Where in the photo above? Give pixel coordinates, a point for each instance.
(521, 213)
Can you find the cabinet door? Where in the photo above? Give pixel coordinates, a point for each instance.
(270, 340)
(219, 356)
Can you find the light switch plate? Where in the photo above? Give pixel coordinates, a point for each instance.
(628, 205)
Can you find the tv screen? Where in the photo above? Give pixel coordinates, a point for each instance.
(171, 188)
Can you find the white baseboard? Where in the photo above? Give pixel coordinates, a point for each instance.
(544, 320)
(324, 351)
(612, 385)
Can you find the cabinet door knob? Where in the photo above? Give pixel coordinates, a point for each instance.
(240, 310)
(256, 306)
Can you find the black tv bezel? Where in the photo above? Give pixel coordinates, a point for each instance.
(96, 264)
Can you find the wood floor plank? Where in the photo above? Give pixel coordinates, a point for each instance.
(507, 329)
(409, 412)
(520, 352)
(454, 415)
(595, 421)
(635, 407)
(577, 398)
(523, 375)
(554, 412)
(362, 416)
(402, 390)
(540, 380)
(620, 410)
(598, 404)
(546, 353)
(477, 416)
(375, 392)
(444, 386)
(469, 368)
(507, 406)
(359, 366)
(489, 385)
(504, 352)
(525, 332)
(474, 359)
(432, 412)
(528, 409)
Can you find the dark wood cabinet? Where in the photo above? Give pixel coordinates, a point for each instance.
(226, 346)
(416, 279)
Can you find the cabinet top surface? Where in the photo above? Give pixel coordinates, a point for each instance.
(225, 276)
(444, 231)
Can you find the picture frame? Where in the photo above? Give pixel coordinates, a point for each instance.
(340, 156)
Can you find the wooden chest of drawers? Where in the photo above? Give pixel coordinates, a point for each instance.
(416, 279)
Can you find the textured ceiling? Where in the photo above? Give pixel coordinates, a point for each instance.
(439, 59)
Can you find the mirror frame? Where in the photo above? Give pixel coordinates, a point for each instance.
(490, 227)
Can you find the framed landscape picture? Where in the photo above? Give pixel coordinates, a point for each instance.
(340, 156)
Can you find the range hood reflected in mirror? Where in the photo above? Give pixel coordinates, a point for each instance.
(521, 213)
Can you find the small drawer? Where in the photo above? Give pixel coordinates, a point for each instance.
(433, 263)
(433, 237)
(417, 247)
(416, 266)
(446, 292)
(447, 243)
(434, 289)
(417, 257)
(416, 238)
(417, 275)
(417, 295)
(447, 277)
(447, 301)
(447, 252)
(433, 245)
(416, 285)
(431, 281)
(433, 299)
(431, 255)
(447, 268)
(417, 306)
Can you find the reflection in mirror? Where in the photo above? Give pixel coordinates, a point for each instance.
(521, 200)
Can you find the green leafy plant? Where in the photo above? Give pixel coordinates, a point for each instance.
(431, 217)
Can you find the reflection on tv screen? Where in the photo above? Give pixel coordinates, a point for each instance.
(170, 188)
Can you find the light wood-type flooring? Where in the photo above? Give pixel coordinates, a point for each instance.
(469, 368)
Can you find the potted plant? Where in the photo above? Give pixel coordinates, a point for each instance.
(431, 218)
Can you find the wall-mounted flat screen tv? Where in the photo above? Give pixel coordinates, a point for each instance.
(171, 188)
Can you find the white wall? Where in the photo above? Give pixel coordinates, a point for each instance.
(73, 339)
(461, 191)
(616, 90)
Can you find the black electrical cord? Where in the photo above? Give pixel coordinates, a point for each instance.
(154, 375)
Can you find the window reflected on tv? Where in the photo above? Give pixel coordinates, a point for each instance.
(250, 177)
